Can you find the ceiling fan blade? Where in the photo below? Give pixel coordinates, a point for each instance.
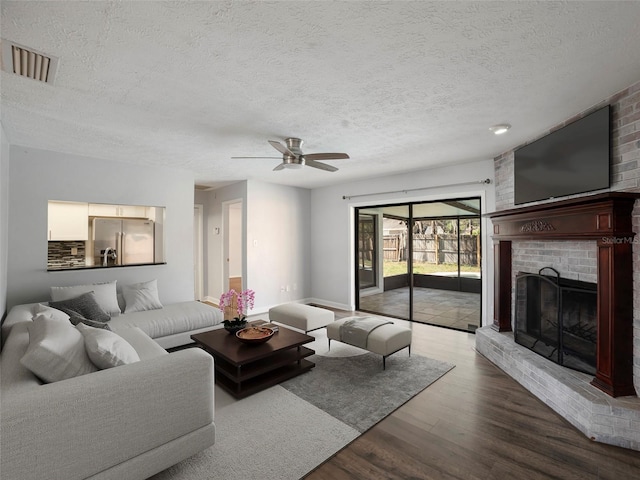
(326, 156)
(279, 167)
(321, 166)
(256, 157)
(281, 148)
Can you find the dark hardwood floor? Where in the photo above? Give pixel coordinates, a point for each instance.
(474, 423)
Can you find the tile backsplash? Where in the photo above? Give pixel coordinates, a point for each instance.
(59, 254)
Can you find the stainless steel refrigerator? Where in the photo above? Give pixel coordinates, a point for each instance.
(122, 241)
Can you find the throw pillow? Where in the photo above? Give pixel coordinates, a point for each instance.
(141, 296)
(105, 295)
(56, 350)
(84, 306)
(78, 319)
(49, 312)
(74, 319)
(107, 349)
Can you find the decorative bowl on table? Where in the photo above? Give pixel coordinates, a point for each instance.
(254, 335)
(234, 326)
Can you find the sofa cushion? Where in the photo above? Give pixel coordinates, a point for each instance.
(56, 350)
(145, 347)
(140, 297)
(172, 319)
(105, 295)
(15, 377)
(84, 305)
(107, 349)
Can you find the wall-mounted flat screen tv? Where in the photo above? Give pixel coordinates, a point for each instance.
(573, 159)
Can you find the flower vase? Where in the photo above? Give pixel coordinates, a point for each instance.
(235, 325)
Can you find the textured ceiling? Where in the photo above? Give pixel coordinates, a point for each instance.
(399, 85)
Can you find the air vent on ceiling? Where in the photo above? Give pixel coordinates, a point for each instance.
(203, 188)
(28, 62)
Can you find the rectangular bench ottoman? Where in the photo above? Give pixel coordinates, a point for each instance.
(384, 340)
(302, 317)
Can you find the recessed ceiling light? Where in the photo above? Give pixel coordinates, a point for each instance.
(500, 129)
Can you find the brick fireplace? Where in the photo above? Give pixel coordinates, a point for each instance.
(578, 397)
(601, 225)
(607, 220)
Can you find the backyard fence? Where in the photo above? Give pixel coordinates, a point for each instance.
(434, 249)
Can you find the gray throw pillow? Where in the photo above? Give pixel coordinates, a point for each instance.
(84, 306)
(76, 319)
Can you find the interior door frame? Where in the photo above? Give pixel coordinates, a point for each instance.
(228, 237)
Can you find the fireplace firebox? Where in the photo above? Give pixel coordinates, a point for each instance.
(557, 318)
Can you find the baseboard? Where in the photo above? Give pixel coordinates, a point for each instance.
(326, 303)
(211, 299)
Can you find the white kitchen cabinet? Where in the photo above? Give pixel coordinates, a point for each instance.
(68, 221)
(104, 210)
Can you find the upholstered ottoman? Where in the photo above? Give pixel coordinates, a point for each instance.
(384, 340)
(303, 317)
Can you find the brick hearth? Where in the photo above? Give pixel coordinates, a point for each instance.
(600, 417)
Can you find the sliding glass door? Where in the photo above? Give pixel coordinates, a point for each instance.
(367, 253)
(397, 261)
(428, 259)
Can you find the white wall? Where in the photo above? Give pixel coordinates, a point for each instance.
(38, 176)
(235, 240)
(4, 219)
(332, 224)
(278, 243)
(202, 198)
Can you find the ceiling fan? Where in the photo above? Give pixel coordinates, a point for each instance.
(292, 156)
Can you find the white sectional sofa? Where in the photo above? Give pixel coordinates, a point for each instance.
(170, 326)
(126, 422)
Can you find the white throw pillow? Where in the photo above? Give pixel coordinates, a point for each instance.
(56, 350)
(141, 296)
(107, 349)
(105, 293)
(50, 312)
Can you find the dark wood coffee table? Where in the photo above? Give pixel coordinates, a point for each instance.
(243, 370)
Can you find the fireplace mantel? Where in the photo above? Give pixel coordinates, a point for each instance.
(607, 219)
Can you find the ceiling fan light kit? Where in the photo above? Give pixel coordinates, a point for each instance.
(294, 158)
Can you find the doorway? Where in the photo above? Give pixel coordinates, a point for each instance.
(232, 248)
(421, 262)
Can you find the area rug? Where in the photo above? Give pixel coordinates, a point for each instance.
(357, 391)
(286, 431)
(272, 435)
